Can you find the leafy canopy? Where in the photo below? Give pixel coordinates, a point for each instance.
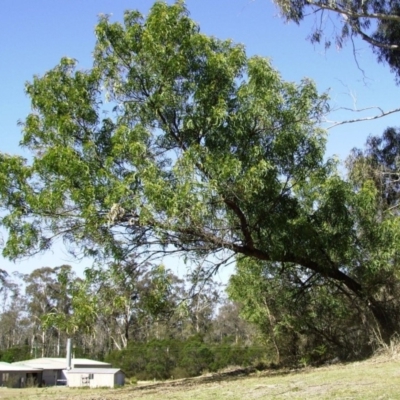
(172, 141)
(178, 142)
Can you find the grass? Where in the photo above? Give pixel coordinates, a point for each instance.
(378, 378)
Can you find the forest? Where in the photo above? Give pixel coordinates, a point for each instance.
(144, 320)
(178, 143)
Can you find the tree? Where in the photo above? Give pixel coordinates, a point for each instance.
(203, 298)
(115, 304)
(376, 22)
(374, 172)
(229, 326)
(3, 278)
(206, 152)
(301, 314)
(379, 163)
(46, 292)
(14, 324)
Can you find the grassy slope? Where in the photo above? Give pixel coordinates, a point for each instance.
(373, 379)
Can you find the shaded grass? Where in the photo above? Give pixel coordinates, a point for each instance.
(378, 378)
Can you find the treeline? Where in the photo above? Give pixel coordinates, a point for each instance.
(154, 325)
(144, 320)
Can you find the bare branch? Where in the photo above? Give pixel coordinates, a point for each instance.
(350, 121)
(356, 59)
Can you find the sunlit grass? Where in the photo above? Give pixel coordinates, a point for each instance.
(378, 378)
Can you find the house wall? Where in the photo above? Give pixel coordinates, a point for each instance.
(102, 380)
(98, 380)
(12, 379)
(119, 379)
(75, 380)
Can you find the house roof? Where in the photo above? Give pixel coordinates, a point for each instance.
(93, 371)
(60, 363)
(6, 367)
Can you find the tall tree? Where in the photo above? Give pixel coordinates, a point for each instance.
(376, 22)
(206, 152)
(379, 163)
(14, 325)
(203, 298)
(3, 277)
(46, 291)
(116, 304)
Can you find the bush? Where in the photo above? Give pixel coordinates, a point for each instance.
(172, 358)
(15, 354)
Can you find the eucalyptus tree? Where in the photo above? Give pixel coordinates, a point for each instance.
(202, 300)
(14, 323)
(200, 150)
(46, 291)
(375, 22)
(379, 163)
(229, 326)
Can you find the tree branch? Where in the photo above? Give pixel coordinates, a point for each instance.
(372, 41)
(354, 14)
(350, 121)
(243, 222)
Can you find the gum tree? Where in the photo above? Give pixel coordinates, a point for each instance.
(376, 22)
(176, 142)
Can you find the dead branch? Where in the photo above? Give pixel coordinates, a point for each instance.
(350, 121)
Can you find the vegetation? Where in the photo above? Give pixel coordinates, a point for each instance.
(175, 359)
(376, 22)
(178, 143)
(367, 380)
(150, 326)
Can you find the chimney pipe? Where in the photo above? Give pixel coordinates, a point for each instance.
(69, 347)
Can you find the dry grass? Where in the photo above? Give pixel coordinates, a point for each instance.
(378, 378)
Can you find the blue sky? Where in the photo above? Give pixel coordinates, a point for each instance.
(36, 34)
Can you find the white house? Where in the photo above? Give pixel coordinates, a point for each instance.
(52, 369)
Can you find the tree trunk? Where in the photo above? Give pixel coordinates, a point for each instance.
(385, 318)
(43, 342)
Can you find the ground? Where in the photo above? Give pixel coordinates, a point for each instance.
(378, 378)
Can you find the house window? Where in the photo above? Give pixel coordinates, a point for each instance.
(5, 376)
(90, 376)
(84, 380)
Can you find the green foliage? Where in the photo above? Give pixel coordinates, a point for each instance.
(196, 126)
(164, 359)
(227, 354)
(300, 315)
(376, 22)
(204, 152)
(117, 298)
(155, 359)
(14, 354)
(195, 356)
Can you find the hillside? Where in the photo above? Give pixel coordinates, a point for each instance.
(378, 378)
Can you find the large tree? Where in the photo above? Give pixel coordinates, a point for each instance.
(199, 150)
(376, 22)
